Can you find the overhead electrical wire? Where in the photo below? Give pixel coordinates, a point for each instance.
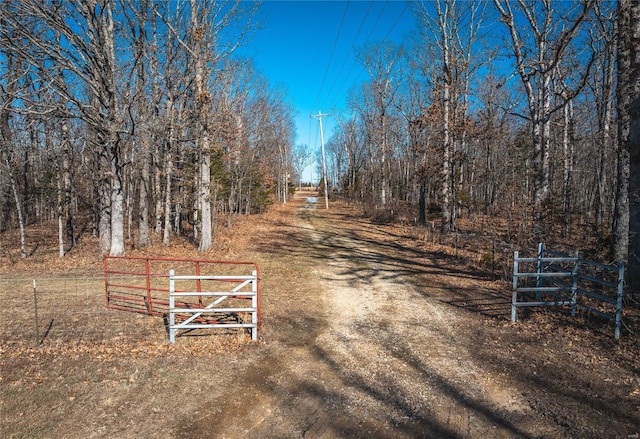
(385, 38)
(354, 64)
(352, 47)
(335, 43)
(397, 21)
(377, 21)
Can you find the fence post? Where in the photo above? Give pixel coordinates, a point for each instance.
(172, 316)
(619, 300)
(198, 282)
(514, 297)
(493, 258)
(147, 273)
(254, 305)
(539, 271)
(35, 308)
(574, 283)
(106, 281)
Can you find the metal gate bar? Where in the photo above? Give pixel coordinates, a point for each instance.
(212, 309)
(139, 284)
(549, 275)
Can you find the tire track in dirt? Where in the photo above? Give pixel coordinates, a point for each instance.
(380, 360)
(385, 324)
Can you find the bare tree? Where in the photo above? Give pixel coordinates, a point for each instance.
(207, 46)
(88, 57)
(66, 238)
(537, 60)
(7, 98)
(202, 102)
(353, 141)
(382, 63)
(150, 124)
(568, 152)
(349, 137)
(603, 88)
(139, 17)
(493, 132)
(454, 32)
(301, 157)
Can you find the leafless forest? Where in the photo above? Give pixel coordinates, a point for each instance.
(136, 121)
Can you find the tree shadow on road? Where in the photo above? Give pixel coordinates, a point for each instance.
(365, 252)
(361, 254)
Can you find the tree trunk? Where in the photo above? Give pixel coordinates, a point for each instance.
(205, 200)
(605, 121)
(568, 146)
(65, 218)
(447, 211)
(541, 141)
(627, 231)
(422, 202)
(383, 160)
(117, 203)
(60, 218)
(143, 201)
(6, 138)
(196, 207)
(103, 201)
(112, 138)
(21, 225)
(166, 236)
(202, 105)
(143, 109)
(67, 186)
(159, 156)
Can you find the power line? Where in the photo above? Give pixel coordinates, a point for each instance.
(347, 79)
(397, 21)
(353, 43)
(353, 65)
(375, 24)
(335, 43)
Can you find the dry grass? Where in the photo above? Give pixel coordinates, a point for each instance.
(82, 363)
(71, 368)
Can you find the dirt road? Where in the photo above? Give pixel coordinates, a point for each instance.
(366, 343)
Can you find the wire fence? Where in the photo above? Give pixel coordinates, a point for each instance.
(67, 310)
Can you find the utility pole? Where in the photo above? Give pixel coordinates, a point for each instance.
(324, 161)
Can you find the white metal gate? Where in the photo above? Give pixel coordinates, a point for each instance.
(226, 302)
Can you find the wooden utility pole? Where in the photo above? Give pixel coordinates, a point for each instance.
(324, 161)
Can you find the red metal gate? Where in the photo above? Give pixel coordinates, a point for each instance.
(140, 284)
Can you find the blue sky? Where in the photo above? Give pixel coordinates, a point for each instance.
(308, 47)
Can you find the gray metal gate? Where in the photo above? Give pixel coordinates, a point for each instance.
(555, 279)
